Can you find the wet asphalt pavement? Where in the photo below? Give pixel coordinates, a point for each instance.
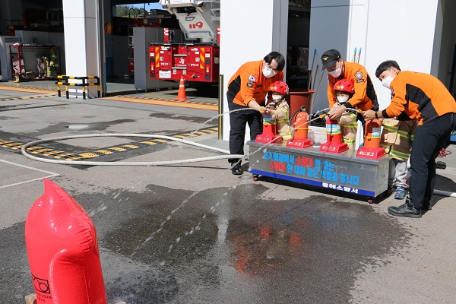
(197, 234)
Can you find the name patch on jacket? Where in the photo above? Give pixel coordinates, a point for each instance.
(359, 76)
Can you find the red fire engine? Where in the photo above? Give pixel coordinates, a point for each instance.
(199, 62)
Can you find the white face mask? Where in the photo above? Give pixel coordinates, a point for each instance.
(342, 98)
(335, 73)
(386, 82)
(267, 72)
(277, 97)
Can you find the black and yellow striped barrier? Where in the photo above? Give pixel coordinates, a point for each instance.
(64, 80)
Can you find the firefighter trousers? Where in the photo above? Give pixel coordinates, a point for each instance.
(429, 139)
(238, 121)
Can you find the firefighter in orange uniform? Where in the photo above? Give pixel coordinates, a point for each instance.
(247, 89)
(364, 98)
(424, 98)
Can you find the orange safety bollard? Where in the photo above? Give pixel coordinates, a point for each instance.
(372, 136)
(181, 96)
(301, 132)
(334, 143)
(269, 134)
(63, 251)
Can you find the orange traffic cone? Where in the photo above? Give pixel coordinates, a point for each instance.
(181, 94)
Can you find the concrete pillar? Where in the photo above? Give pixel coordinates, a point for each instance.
(82, 40)
(261, 28)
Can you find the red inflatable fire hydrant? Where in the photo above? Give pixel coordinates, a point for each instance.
(63, 251)
(334, 143)
(269, 135)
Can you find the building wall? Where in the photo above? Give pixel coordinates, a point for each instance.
(249, 31)
(403, 31)
(388, 29)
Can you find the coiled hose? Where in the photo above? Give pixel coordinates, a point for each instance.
(154, 163)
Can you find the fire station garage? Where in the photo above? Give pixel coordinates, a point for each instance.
(32, 29)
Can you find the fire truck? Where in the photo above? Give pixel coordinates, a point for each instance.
(198, 59)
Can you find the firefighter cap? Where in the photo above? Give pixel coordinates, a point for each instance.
(329, 58)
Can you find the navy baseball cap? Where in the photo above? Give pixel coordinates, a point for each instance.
(329, 58)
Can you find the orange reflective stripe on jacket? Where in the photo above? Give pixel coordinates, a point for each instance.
(420, 96)
(365, 97)
(248, 83)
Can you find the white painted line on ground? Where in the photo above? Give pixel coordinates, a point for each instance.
(51, 174)
(27, 181)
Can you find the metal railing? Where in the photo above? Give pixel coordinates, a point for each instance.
(64, 80)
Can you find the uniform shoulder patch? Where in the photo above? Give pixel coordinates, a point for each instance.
(392, 92)
(249, 84)
(252, 78)
(359, 76)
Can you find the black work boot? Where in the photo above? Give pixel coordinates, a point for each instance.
(426, 204)
(236, 168)
(405, 210)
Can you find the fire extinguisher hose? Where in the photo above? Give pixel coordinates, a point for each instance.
(153, 163)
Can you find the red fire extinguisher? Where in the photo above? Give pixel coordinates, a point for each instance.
(372, 134)
(372, 137)
(301, 132)
(302, 125)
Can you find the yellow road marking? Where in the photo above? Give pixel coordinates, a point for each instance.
(117, 149)
(104, 151)
(23, 89)
(121, 148)
(148, 142)
(168, 103)
(131, 146)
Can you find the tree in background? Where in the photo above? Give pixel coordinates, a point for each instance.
(128, 11)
